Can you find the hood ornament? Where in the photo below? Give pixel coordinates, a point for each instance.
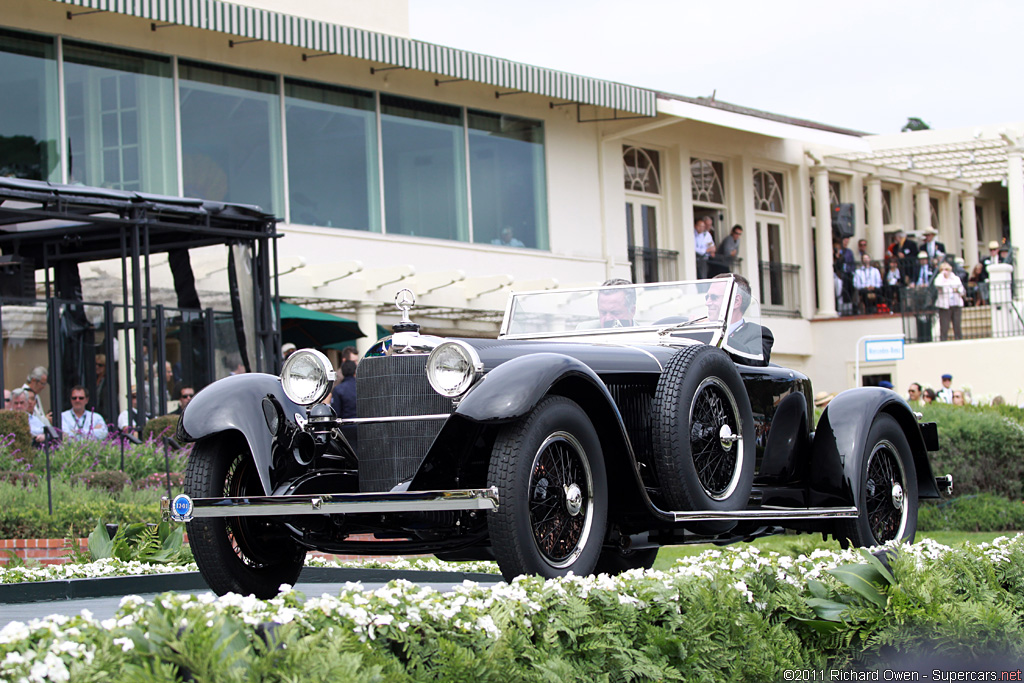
(404, 301)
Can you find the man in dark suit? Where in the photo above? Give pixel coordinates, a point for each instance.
(905, 249)
(932, 247)
(747, 343)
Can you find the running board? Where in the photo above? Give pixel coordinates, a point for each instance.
(184, 509)
(765, 513)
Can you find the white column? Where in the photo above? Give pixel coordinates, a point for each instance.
(970, 220)
(823, 244)
(875, 231)
(366, 316)
(922, 208)
(950, 234)
(1015, 193)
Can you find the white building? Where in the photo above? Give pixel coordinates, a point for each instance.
(397, 163)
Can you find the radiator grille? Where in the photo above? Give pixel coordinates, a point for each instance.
(389, 386)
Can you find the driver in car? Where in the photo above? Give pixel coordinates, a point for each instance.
(748, 343)
(615, 307)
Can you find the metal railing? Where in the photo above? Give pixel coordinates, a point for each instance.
(991, 310)
(780, 289)
(653, 265)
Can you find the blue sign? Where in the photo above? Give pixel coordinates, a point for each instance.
(182, 507)
(883, 349)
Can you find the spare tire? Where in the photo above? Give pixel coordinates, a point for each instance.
(703, 435)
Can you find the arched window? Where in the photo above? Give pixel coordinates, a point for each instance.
(768, 191)
(641, 169)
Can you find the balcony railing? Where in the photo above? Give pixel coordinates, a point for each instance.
(780, 289)
(992, 310)
(653, 265)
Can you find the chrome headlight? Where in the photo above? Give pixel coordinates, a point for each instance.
(307, 377)
(452, 367)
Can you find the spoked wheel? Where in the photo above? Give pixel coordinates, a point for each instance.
(703, 435)
(888, 488)
(550, 475)
(714, 434)
(236, 554)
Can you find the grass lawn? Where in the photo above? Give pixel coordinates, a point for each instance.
(795, 544)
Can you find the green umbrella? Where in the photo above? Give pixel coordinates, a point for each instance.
(315, 329)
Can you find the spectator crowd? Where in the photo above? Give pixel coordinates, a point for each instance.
(913, 276)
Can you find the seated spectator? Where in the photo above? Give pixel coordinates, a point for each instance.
(19, 402)
(130, 421)
(79, 423)
(892, 281)
(959, 398)
(867, 281)
(184, 397)
(928, 395)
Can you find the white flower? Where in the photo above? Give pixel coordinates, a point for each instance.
(125, 643)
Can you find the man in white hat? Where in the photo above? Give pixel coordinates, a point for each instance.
(934, 248)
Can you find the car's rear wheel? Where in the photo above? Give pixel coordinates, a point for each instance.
(236, 554)
(887, 497)
(703, 435)
(550, 474)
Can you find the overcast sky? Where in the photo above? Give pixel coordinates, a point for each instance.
(866, 65)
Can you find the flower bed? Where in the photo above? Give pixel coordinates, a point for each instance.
(733, 614)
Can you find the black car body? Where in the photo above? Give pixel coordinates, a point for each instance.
(573, 442)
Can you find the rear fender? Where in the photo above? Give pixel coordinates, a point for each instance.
(841, 439)
(234, 404)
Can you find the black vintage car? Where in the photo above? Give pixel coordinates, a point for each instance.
(602, 424)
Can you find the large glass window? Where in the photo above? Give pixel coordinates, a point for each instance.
(506, 161)
(332, 156)
(231, 136)
(29, 126)
(424, 157)
(120, 119)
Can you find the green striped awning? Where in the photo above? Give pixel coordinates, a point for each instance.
(323, 37)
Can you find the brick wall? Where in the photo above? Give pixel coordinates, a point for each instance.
(43, 550)
(55, 550)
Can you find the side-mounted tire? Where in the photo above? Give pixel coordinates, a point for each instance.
(887, 488)
(236, 554)
(550, 473)
(703, 435)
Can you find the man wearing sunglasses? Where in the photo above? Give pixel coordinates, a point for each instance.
(79, 422)
(748, 343)
(184, 396)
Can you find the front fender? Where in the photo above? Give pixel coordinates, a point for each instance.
(234, 404)
(840, 441)
(511, 390)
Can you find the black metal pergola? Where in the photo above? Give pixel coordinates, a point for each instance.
(57, 227)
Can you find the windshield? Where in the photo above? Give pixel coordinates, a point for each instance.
(698, 310)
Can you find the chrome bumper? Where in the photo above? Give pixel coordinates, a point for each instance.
(183, 508)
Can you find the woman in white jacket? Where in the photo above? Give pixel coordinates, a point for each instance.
(949, 300)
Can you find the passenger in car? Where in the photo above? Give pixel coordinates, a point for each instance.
(748, 343)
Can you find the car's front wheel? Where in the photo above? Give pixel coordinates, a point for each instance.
(236, 554)
(887, 501)
(550, 474)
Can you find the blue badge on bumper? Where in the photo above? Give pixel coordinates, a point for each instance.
(181, 508)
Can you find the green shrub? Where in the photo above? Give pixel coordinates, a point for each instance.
(17, 440)
(24, 512)
(159, 426)
(981, 512)
(23, 478)
(108, 480)
(981, 447)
